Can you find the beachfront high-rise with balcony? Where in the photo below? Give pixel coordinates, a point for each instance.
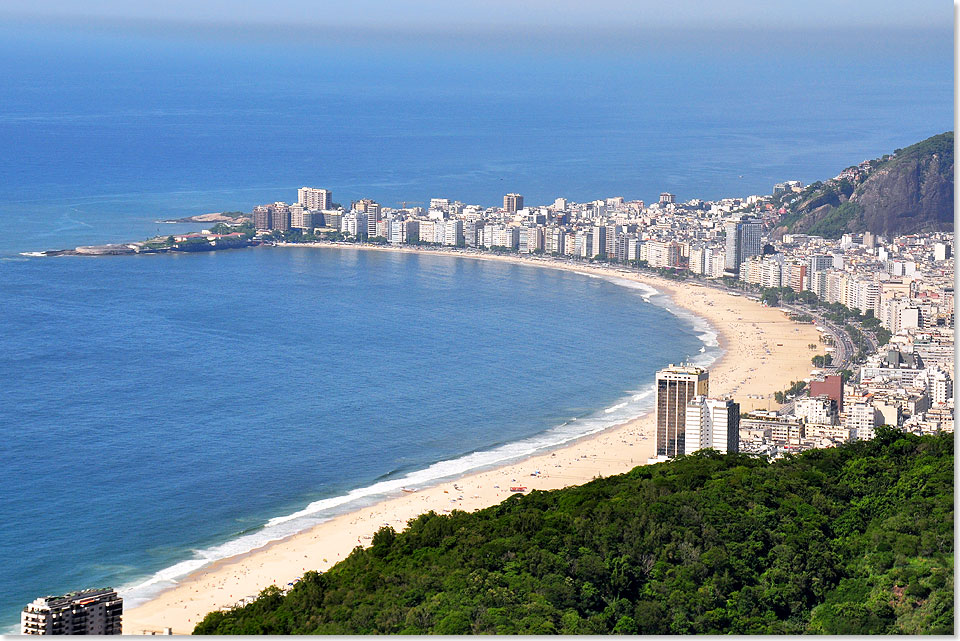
(312, 198)
(676, 387)
(96, 611)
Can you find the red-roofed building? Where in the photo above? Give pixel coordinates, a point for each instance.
(831, 386)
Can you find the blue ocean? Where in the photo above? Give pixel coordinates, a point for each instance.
(160, 411)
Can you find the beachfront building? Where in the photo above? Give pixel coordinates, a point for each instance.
(96, 611)
(310, 198)
(354, 224)
(676, 387)
(712, 423)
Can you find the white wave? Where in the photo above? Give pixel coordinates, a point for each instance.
(636, 404)
(710, 351)
(646, 290)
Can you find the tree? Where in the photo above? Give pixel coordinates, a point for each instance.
(852, 538)
(883, 336)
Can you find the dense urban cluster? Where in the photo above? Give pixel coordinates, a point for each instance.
(884, 305)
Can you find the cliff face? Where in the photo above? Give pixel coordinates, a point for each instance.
(909, 192)
(908, 195)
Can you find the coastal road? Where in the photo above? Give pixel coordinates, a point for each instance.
(843, 344)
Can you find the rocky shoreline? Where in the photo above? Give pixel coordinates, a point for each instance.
(235, 218)
(139, 248)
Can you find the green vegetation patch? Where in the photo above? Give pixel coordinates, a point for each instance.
(940, 145)
(836, 223)
(852, 539)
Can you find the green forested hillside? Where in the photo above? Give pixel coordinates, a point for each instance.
(908, 192)
(856, 539)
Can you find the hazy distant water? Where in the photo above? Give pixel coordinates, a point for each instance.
(101, 135)
(156, 405)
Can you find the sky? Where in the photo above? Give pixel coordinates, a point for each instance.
(587, 18)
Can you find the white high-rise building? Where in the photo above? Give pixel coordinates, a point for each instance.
(861, 417)
(743, 241)
(354, 224)
(397, 232)
(311, 198)
(487, 236)
(712, 423)
(818, 409)
(296, 216)
(427, 231)
(553, 240)
(940, 386)
(453, 233)
(699, 259)
(598, 241)
(529, 240)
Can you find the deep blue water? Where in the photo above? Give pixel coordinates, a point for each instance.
(161, 404)
(153, 406)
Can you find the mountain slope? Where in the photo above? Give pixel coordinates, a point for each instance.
(908, 192)
(854, 539)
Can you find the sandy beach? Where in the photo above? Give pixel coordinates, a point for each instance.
(763, 352)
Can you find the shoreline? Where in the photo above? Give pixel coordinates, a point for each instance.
(612, 450)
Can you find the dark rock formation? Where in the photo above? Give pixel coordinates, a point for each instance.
(908, 192)
(913, 192)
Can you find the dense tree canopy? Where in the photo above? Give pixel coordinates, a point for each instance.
(854, 539)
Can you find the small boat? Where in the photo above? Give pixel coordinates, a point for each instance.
(407, 490)
(518, 488)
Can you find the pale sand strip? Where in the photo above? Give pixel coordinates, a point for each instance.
(746, 331)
